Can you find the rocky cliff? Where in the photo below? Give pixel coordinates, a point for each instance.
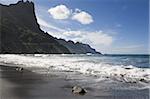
(20, 33)
(77, 48)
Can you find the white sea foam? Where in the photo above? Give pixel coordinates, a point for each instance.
(77, 64)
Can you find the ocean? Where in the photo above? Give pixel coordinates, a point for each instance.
(87, 68)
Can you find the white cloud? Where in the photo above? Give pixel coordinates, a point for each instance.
(8, 1)
(82, 17)
(72, 33)
(63, 12)
(95, 39)
(99, 38)
(45, 24)
(60, 12)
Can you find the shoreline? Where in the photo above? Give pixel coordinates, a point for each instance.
(30, 85)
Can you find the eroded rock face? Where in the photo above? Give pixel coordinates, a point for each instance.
(21, 33)
(78, 90)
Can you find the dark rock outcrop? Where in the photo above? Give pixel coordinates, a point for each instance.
(77, 48)
(20, 33)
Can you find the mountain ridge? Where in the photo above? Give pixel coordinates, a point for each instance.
(21, 33)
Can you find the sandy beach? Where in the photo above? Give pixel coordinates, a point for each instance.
(29, 85)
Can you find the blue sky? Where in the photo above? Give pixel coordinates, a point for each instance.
(109, 26)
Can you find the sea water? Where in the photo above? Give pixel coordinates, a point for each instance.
(89, 68)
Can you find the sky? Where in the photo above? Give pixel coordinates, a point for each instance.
(109, 26)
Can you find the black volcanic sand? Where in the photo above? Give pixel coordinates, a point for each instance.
(30, 85)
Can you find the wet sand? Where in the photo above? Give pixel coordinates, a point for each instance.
(30, 85)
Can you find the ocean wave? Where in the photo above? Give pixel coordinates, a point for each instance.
(128, 74)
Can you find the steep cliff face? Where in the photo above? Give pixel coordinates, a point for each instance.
(20, 33)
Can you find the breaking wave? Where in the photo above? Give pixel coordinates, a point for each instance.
(83, 65)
